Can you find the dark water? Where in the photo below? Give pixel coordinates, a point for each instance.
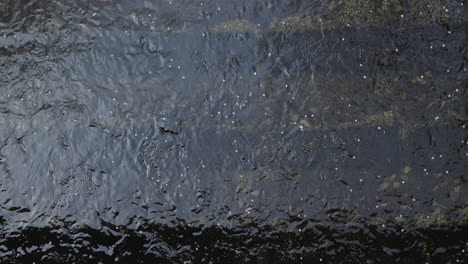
(248, 131)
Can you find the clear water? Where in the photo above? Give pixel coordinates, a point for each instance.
(233, 131)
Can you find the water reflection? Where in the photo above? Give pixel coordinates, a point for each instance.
(233, 131)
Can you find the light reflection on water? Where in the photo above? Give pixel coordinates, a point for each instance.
(233, 131)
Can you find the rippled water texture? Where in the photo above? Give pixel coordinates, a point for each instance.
(247, 131)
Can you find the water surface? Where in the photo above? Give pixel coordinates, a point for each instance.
(234, 131)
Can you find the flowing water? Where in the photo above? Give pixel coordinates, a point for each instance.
(249, 131)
